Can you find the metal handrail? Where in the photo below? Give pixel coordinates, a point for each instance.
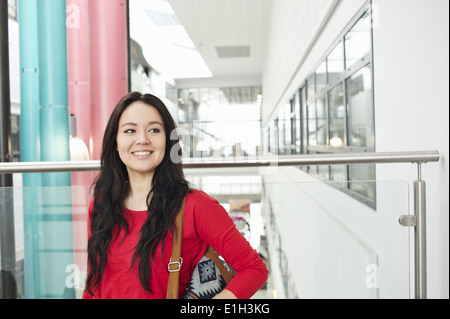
(256, 161)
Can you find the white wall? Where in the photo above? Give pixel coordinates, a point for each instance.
(410, 87)
(411, 53)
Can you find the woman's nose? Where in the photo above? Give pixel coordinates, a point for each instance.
(143, 138)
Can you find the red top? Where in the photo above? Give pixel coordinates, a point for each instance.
(205, 222)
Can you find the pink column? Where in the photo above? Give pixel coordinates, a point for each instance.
(78, 68)
(109, 64)
(77, 23)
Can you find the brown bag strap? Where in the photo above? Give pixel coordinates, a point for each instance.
(176, 261)
(214, 256)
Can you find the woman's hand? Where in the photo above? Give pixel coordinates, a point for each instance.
(225, 294)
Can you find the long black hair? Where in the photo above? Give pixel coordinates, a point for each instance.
(168, 189)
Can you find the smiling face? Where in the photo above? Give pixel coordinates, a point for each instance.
(141, 139)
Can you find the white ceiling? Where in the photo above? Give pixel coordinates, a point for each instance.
(239, 26)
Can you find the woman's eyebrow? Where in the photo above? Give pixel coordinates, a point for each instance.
(134, 124)
(154, 122)
(129, 123)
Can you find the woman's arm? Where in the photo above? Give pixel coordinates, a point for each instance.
(215, 227)
(225, 294)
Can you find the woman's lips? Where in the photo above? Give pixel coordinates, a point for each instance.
(142, 154)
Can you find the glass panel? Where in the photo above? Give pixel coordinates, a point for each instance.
(337, 116)
(220, 122)
(336, 63)
(304, 120)
(296, 124)
(287, 129)
(338, 173)
(317, 241)
(281, 131)
(321, 77)
(358, 40)
(312, 126)
(273, 136)
(331, 246)
(361, 172)
(360, 109)
(15, 137)
(322, 120)
(12, 9)
(225, 138)
(311, 87)
(323, 172)
(51, 239)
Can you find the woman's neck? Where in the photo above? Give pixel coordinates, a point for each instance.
(139, 193)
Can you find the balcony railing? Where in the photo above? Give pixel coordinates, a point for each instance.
(277, 196)
(260, 161)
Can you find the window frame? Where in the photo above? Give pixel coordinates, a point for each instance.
(308, 95)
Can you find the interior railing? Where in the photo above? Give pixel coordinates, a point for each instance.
(419, 157)
(417, 221)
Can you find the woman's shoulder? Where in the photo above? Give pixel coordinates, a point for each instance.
(196, 196)
(206, 214)
(197, 201)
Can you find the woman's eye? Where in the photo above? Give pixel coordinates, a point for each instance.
(130, 130)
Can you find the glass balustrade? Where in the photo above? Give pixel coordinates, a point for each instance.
(326, 244)
(317, 241)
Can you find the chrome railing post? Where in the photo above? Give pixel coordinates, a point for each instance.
(420, 242)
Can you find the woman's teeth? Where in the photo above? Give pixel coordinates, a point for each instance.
(142, 153)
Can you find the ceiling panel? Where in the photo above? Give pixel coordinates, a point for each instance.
(236, 27)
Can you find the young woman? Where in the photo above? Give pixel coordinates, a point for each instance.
(137, 196)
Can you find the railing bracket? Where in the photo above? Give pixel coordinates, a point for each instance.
(407, 220)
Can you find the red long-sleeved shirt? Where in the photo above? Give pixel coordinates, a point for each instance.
(205, 222)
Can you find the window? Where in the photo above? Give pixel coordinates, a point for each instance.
(321, 77)
(358, 40)
(311, 87)
(12, 9)
(273, 137)
(336, 63)
(337, 116)
(335, 110)
(312, 124)
(283, 131)
(15, 137)
(322, 129)
(295, 124)
(360, 110)
(287, 129)
(303, 120)
(221, 122)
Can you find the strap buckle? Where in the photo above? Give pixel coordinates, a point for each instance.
(179, 263)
